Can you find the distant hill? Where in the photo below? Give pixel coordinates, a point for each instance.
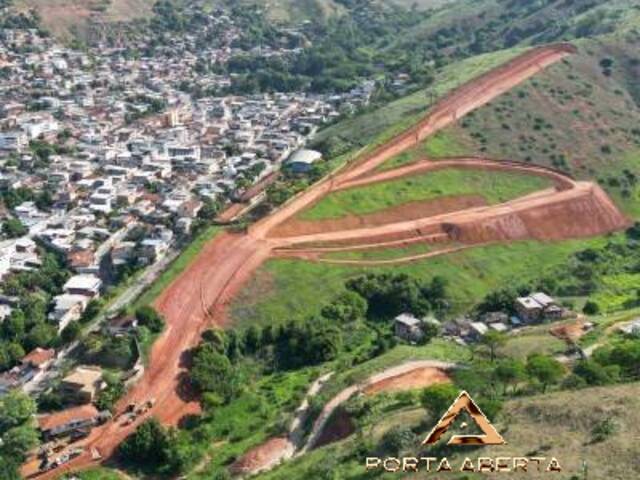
(66, 18)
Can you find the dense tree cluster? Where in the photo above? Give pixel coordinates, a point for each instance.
(388, 295)
(152, 447)
(27, 326)
(17, 431)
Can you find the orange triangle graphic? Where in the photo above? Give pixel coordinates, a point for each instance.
(465, 402)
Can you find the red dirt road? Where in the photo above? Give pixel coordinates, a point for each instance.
(198, 297)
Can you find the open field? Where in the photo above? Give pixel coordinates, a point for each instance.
(493, 187)
(284, 286)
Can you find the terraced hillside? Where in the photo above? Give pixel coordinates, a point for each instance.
(581, 115)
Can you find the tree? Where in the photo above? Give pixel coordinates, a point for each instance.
(595, 374)
(493, 340)
(544, 369)
(591, 308)
(438, 398)
(148, 446)
(14, 228)
(397, 440)
(71, 332)
(347, 307)
(252, 339)
(212, 372)
(17, 431)
(148, 317)
(510, 373)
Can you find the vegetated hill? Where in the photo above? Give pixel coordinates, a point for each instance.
(68, 18)
(472, 26)
(596, 425)
(581, 115)
(65, 18)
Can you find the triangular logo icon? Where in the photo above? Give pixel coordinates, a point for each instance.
(465, 402)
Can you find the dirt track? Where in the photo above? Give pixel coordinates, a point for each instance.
(198, 297)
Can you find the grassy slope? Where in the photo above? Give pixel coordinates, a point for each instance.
(367, 128)
(284, 289)
(571, 116)
(495, 187)
(534, 426)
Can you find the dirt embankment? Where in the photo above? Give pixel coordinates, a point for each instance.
(468, 97)
(587, 213)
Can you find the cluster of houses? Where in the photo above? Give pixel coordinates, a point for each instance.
(122, 159)
(127, 150)
(536, 308)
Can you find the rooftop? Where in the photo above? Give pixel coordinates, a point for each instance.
(84, 412)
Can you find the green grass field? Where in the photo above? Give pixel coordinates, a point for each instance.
(381, 254)
(285, 289)
(495, 187)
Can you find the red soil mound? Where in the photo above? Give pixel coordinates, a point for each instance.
(419, 378)
(260, 457)
(584, 212)
(338, 427)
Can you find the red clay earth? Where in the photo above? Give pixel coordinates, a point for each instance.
(338, 427)
(570, 332)
(261, 457)
(419, 378)
(198, 297)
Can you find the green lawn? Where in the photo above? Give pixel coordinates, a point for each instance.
(96, 474)
(495, 187)
(382, 254)
(285, 289)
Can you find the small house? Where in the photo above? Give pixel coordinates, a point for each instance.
(83, 384)
(408, 327)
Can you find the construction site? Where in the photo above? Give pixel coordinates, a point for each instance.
(565, 209)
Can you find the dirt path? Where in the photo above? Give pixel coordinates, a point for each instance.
(198, 297)
(278, 449)
(374, 383)
(584, 210)
(561, 180)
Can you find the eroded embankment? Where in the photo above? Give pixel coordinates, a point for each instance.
(588, 213)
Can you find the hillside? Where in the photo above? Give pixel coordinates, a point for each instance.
(581, 116)
(560, 424)
(66, 18)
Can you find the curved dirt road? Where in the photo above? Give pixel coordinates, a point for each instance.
(349, 392)
(198, 297)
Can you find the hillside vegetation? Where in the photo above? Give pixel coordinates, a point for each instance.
(567, 425)
(68, 18)
(581, 116)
